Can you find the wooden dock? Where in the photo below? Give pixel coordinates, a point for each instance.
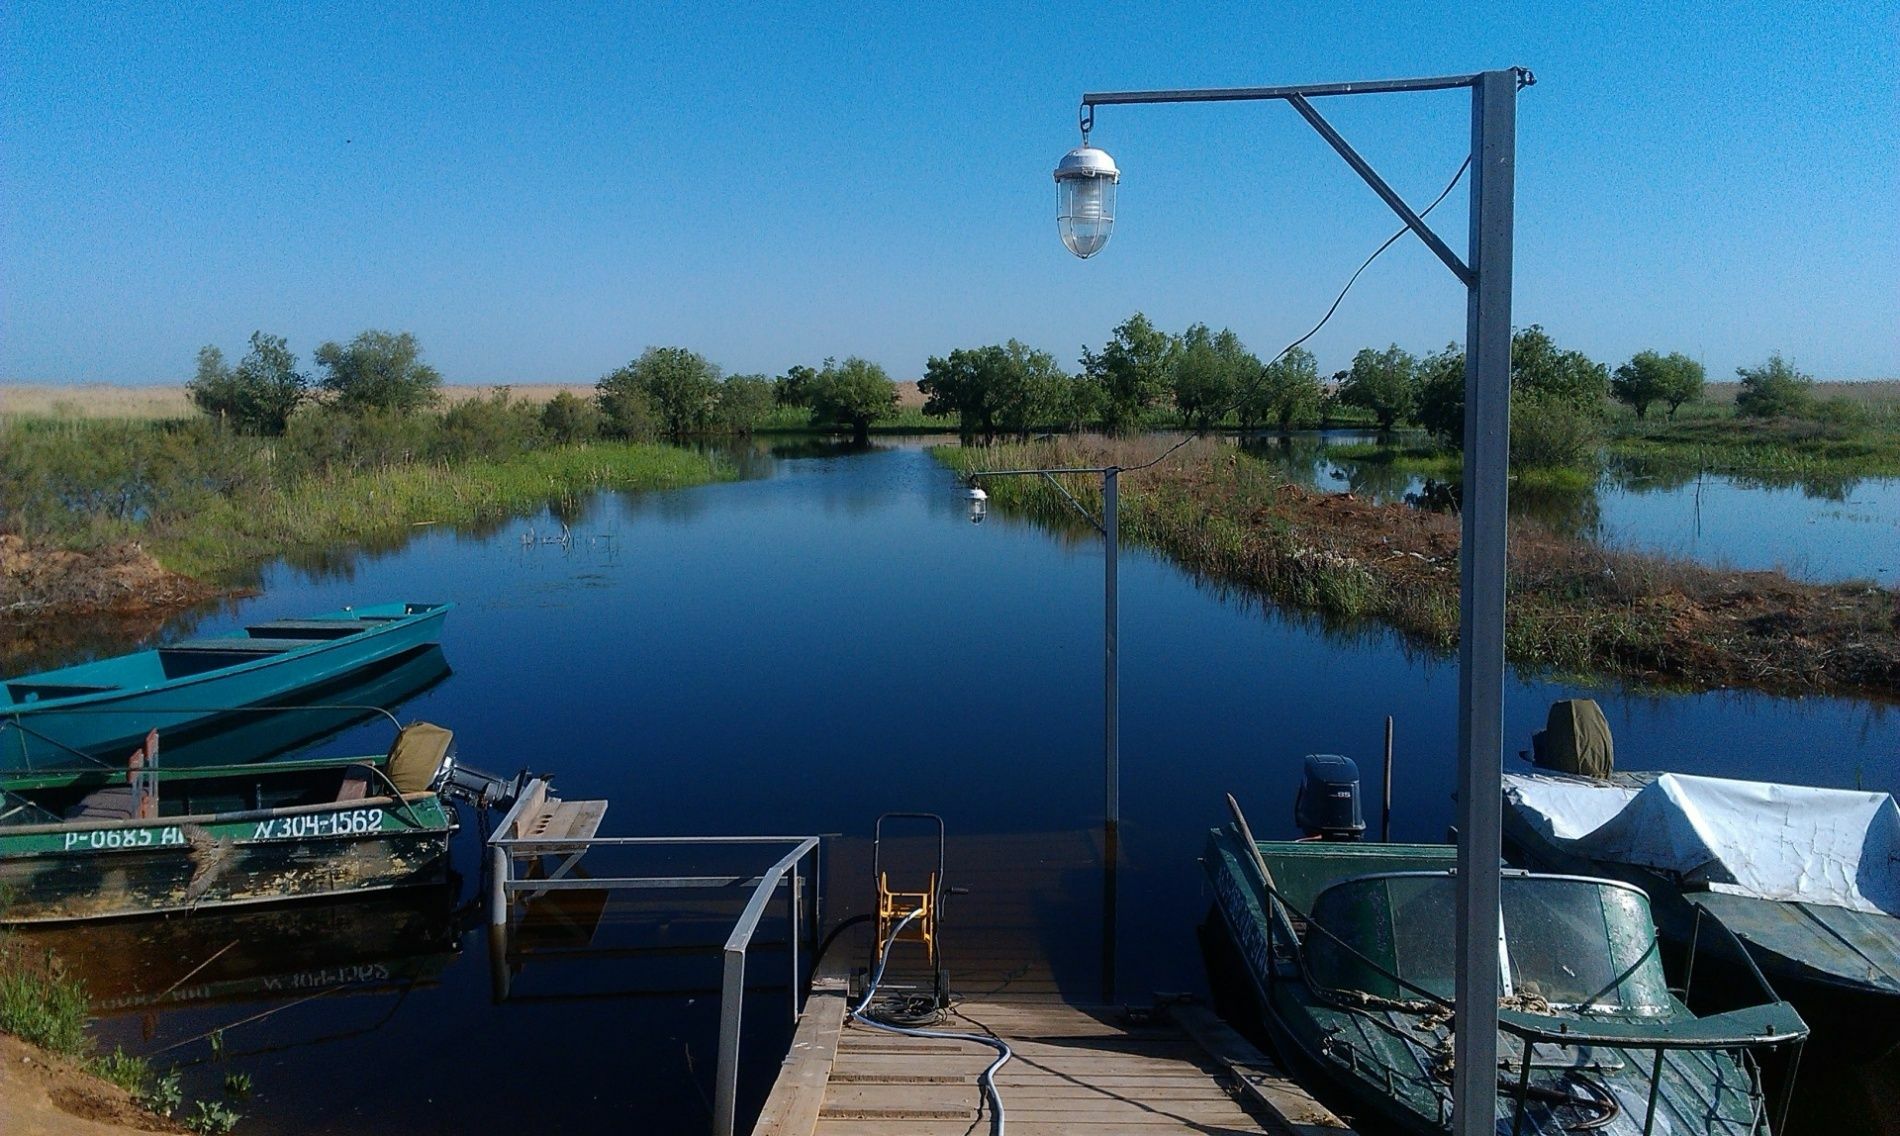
(1175, 1069)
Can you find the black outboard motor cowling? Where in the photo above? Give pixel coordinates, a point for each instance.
(1328, 805)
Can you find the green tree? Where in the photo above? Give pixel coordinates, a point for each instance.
(1565, 381)
(1382, 382)
(1440, 406)
(1651, 378)
(853, 393)
(378, 370)
(1282, 391)
(1009, 387)
(1539, 366)
(963, 383)
(679, 388)
(1209, 373)
(1548, 432)
(260, 395)
(1038, 391)
(744, 402)
(496, 426)
(1640, 382)
(1685, 381)
(625, 410)
(793, 388)
(1773, 389)
(568, 419)
(1131, 371)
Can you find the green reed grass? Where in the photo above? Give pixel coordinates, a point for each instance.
(1575, 608)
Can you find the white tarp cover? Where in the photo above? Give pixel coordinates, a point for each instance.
(1784, 842)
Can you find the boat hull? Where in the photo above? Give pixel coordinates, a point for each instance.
(1352, 1058)
(69, 872)
(64, 731)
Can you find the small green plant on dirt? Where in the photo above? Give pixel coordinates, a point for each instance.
(124, 1070)
(211, 1117)
(237, 1085)
(164, 1095)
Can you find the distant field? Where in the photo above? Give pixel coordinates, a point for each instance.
(1871, 392)
(103, 400)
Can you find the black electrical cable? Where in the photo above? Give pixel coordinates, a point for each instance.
(1337, 300)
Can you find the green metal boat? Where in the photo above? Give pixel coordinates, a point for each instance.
(138, 840)
(1347, 952)
(60, 718)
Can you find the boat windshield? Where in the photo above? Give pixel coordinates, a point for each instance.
(1570, 943)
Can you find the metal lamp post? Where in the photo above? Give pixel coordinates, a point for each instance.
(1085, 183)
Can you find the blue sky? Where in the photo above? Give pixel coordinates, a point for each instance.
(540, 191)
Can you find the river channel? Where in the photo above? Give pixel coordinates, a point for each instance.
(799, 652)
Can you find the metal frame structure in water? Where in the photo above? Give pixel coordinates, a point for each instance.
(504, 850)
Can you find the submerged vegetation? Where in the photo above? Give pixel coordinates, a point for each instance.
(1575, 608)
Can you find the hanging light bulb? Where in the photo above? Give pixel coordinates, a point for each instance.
(1085, 198)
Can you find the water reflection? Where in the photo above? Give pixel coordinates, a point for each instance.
(368, 944)
(1815, 527)
(833, 640)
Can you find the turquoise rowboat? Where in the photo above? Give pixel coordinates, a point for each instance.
(76, 715)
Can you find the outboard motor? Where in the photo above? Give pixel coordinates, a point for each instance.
(1328, 805)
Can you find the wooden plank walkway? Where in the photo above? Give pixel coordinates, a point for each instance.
(1075, 1068)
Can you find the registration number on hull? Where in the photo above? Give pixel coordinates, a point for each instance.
(349, 822)
(105, 838)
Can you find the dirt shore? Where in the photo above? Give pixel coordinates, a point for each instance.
(45, 1095)
(53, 600)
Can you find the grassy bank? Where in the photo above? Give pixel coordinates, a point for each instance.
(238, 532)
(1575, 608)
(1773, 448)
(84, 502)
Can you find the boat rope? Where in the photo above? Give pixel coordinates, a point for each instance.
(1003, 1051)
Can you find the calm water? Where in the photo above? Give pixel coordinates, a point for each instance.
(1823, 529)
(799, 653)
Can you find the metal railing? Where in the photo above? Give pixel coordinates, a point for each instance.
(799, 871)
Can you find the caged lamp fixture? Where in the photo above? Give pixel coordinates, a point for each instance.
(1085, 198)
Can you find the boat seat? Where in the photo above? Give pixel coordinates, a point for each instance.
(36, 691)
(305, 629)
(116, 803)
(237, 644)
(355, 785)
(417, 755)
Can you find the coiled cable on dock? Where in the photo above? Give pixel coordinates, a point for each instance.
(1003, 1051)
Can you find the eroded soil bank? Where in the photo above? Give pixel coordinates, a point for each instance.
(55, 599)
(1575, 607)
(42, 1094)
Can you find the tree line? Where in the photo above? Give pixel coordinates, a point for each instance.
(1139, 376)
(665, 392)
